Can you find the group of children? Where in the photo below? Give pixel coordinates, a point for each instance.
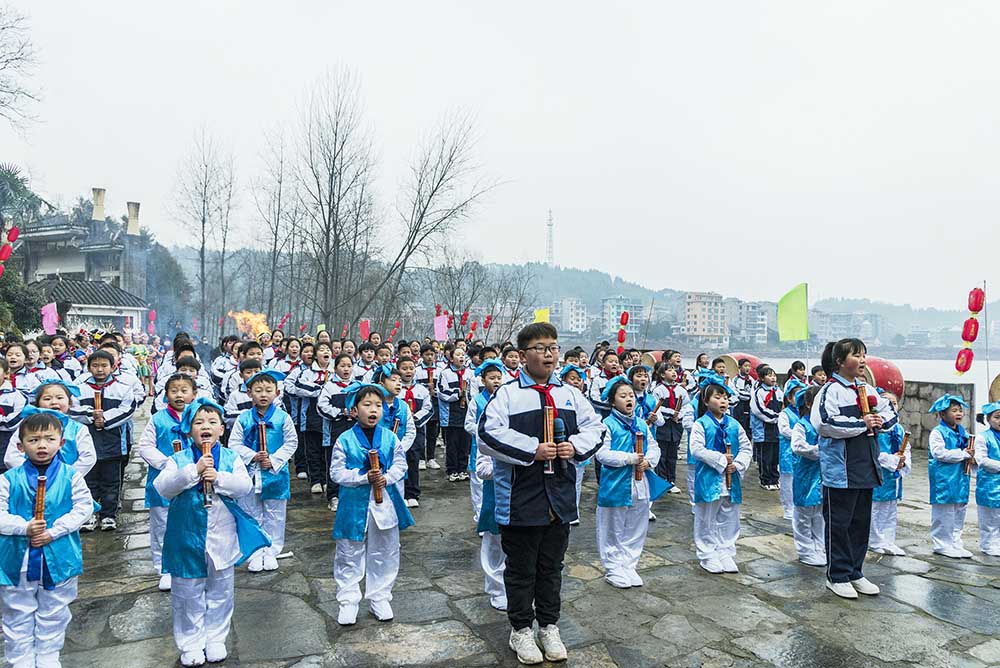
(360, 423)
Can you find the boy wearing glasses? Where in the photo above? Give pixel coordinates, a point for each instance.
(535, 486)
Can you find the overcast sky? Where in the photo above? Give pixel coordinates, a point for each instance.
(740, 147)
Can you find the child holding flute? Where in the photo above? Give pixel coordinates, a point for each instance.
(628, 485)
(161, 438)
(988, 481)
(848, 456)
(535, 486)
(721, 452)
(807, 493)
(265, 438)
(43, 504)
(894, 458)
(367, 461)
(672, 398)
(202, 482)
(950, 455)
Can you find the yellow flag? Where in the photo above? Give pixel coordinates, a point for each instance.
(793, 315)
(541, 315)
(320, 328)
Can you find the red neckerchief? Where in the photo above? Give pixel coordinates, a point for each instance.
(35, 369)
(174, 414)
(672, 399)
(770, 396)
(460, 372)
(410, 400)
(341, 383)
(546, 392)
(604, 372)
(321, 376)
(293, 363)
(515, 374)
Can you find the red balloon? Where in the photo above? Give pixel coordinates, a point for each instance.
(970, 330)
(977, 299)
(5, 252)
(621, 336)
(964, 360)
(13, 234)
(152, 315)
(624, 318)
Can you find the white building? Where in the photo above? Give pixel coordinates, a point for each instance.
(705, 320)
(569, 315)
(747, 321)
(611, 311)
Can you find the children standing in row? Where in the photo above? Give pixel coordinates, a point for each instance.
(765, 407)
(988, 481)
(948, 448)
(452, 402)
(807, 495)
(787, 419)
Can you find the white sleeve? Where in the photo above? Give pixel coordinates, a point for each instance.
(411, 431)
(148, 450)
(86, 453)
(14, 457)
(784, 425)
(471, 423)
(717, 460)
(745, 455)
(10, 524)
(614, 458)
(398, 467)
(290, 443)
(935, 443)
(982, 456)
(652, 451)
(484, 466)
(172, 481)
(339, 473)
(233, 484)
(800, 446)
(828, 421)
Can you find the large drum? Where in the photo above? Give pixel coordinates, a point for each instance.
(883, 373)
(732, 361)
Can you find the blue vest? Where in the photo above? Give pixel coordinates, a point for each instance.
(807, 485)
(988, 484)
(948, 482)
(63, 557)
(786, 460)
(487, 520)
(69, 453)
(708, 482)
(167, 430)
(273, 484)
(352, 513)
(644, 405)
(891, 488)
(481, 401)
(184, 541)
(615, 488)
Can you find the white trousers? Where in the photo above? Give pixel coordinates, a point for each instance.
(270, 515)
(947, 520)
(157, 527)
(375, 560)
(785, 494)
(883, 530)
(690, 484)
(621, 533)
(807, 531)
(716, 528)
(989, 530)
(579, 485)
(492, 560)
(202, 608)
(476, 492)
(35, 620)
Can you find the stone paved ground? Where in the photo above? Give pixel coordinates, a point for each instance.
(933, 612)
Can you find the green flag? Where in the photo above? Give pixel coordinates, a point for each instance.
(793, 315)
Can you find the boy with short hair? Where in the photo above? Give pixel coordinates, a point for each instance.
(40, 559)
(366, 363)
(426, 374)
(534, 508)
(189, 366)
(452, 392)
(239, 399)
(609, 369)
(249, 350)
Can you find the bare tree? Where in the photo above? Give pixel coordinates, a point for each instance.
(459, 285)
(512, 300)
(275, 202)
(17, 60)
(224, 209)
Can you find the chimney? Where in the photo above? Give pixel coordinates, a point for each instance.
(133, 219)
(98, 205)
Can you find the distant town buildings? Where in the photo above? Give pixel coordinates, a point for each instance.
(705, 320)
(569, 315)
(611, 311)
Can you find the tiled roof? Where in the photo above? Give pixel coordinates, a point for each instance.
(97, 293)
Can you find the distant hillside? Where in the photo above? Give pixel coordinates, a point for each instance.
(902, 317)
(591, 286)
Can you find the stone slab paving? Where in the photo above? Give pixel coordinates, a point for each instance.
(933, 611)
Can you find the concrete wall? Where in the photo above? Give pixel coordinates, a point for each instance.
(919, 395)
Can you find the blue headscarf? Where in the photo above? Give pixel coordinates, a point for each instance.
(609, 389)
(30, 410)
(351, 393)
(945, 402)
(489, 364)
(269, 373)
(382, 372)
(793, 385)
(187, 417)
(74, 390)
(707, 377)
(571, 367)
(991, 407)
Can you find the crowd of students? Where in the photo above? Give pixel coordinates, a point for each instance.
(522, 422)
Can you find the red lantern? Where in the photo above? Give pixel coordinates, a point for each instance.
(475, 324)
(964, 360)
(624, 318)
(451, 322)
(343, 332)
(465, 318)
(970, 330)
(152, 315)
(487, 322)
(621, 336)
(621, 349)
(5, 252)
(151, 329)
(396, 326)
(977, 299)
(2, 267)
(194, 324)
(445, 311)
(437, 309)
(468, 337)
(13, 234)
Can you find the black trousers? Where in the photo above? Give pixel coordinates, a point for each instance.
(430, 441)
(533, 574)
(411, 485)
(848, 517)
(104, 481)
(299, 461)
(457, 444)
(316, 459)
(666, 468)
(767, 463)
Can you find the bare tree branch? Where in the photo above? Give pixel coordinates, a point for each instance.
(17, 61)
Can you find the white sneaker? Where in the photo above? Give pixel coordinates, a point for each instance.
(652, 516)
(317, 488)
(574, 523)
(842, 589)
(256, 563)
(381, 609)
(164, 584)
(729, 565)
(347, 615)
(813, 559)
(552, 644)
(302, 475)
(270, 563)
(195, 658)
(865, 586)
(433, 465)
(896, 551)
(90, 524)
(452, 477)
(634, 578)
(109, 524)
(674, 490)
(216, 652)
(617, 579)
(412, 503)
(50, 660)
(949, 552)
(421, 465)
(499, 602)
(333, 504)
(965, 554)
(713, 566)
(523, 643)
